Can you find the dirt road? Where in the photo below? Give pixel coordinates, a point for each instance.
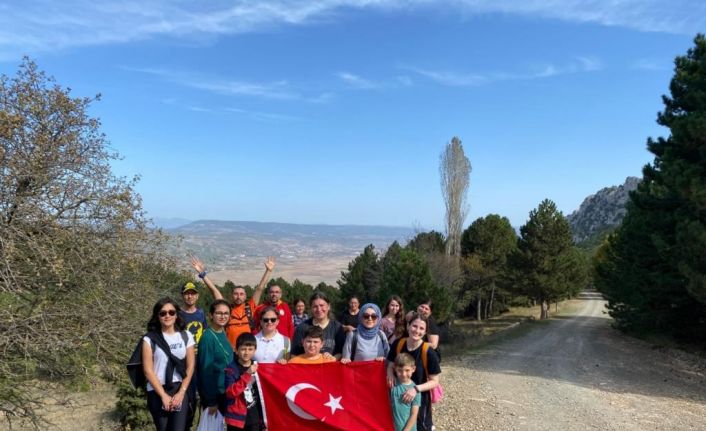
(573, 372)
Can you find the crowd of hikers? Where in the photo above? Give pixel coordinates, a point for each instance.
(189, 360)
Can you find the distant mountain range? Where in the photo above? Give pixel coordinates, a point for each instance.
(601, 212)
(230, 244)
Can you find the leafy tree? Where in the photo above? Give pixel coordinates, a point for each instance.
(363, 276)
(546, 259)
(79, 268)
(406, 273)
(445, 270)
(428, 242)
(298, 290)
(485, 246)
(653, 269)
(455, 171)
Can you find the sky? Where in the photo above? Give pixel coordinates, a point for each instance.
(336, 111)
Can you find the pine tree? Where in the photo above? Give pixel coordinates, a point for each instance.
(363, 276)
(486, 245)
(546, 259)
(653, 269)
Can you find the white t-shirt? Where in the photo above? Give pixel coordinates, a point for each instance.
(268, 351)
(160, 359)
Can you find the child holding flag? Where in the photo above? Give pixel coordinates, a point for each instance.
(243, 406)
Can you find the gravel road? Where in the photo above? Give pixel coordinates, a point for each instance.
(573, 372)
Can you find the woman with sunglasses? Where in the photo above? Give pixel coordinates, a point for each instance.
(367, 342)
(168, 364)
(215, 353)
(271, 345)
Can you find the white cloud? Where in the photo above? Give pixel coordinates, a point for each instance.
(466, 79)
(649, 64)
(589, 64)
(356, 81)
(227, 87)
(405, 80)
(452, 79)
(264, 116)
(38, 25)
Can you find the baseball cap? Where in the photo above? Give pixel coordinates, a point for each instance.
(187, 287)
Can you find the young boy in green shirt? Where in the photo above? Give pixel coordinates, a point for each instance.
(403, 414)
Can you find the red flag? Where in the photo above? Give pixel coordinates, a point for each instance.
(330, 396)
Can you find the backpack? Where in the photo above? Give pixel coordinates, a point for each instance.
(134, 364)
(354, 343)
(438, 392)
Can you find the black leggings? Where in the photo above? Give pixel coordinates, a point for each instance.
(424, 422)
(164, 420)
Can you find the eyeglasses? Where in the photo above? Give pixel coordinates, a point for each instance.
(165, 312)
(221, 313)
(269, 319)
(370, 317)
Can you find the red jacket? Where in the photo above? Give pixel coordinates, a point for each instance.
(236, 409)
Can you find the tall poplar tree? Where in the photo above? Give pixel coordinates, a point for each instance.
(455, 171)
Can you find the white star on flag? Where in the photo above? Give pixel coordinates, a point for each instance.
(334, 403)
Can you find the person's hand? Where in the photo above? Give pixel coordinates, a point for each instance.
(327, 355)
(282, 361)
(409, 395)
(347, 328)
(380, 358)
(166, 402)
(213, 410)
(345, 361)
(390, 382)
(253, 368)
(177, 400)
(270, 263)
(197, 264)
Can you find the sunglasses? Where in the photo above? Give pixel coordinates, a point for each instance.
(269, 319)
(165, 312)
(370, 317)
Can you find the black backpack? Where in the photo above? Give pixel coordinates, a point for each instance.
(134, 364)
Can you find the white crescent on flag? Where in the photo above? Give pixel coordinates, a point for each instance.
(292, 394)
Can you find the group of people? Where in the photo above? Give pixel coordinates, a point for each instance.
(185, 357)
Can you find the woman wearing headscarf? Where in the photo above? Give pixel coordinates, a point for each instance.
(367, 342)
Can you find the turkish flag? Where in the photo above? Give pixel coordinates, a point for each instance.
(330, 396)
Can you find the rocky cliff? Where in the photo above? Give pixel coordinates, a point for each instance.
(602, 211)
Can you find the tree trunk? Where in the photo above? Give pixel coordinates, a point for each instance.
(545, 310)
(479, 307)
(489, 312)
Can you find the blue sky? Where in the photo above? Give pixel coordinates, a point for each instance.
(336, 111)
